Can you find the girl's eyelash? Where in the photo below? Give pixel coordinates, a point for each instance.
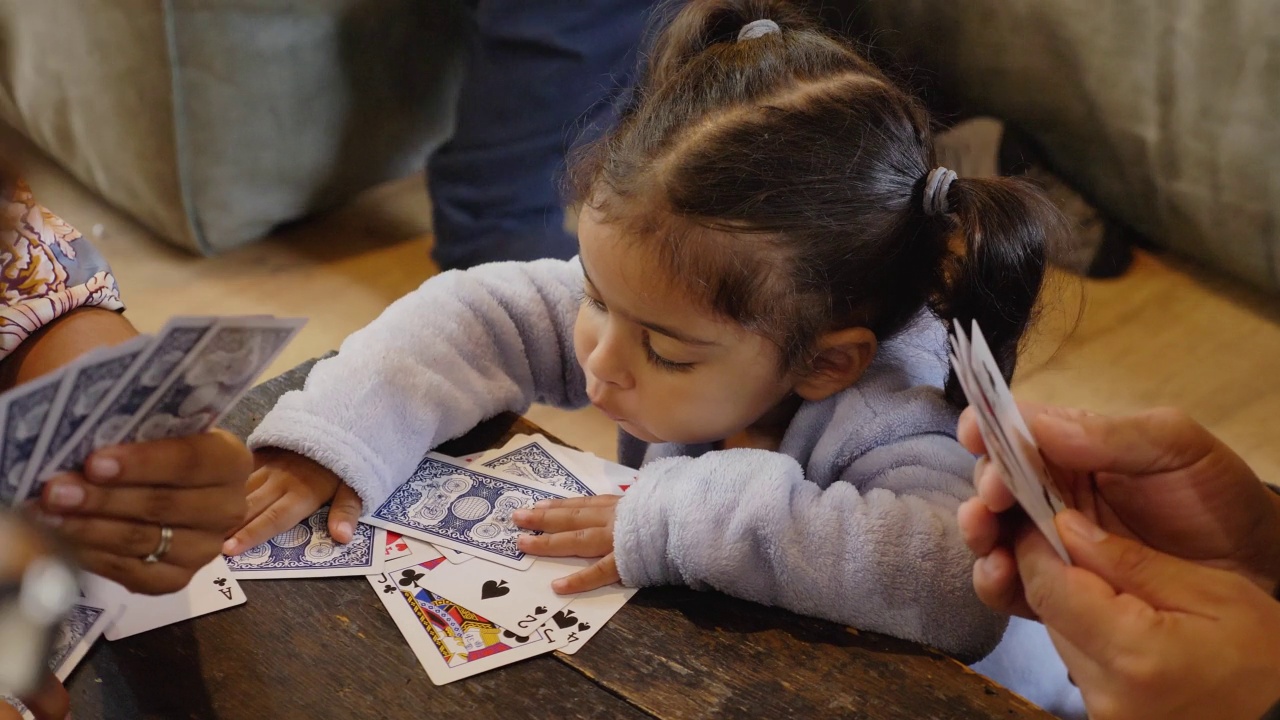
(593, 303)
(662, 362)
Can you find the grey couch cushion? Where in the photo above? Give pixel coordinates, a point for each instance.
(1166, 113)
(212, 121)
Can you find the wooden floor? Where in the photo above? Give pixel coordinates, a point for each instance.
(1165, 334)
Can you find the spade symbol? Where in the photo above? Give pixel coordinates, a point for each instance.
(539, 610)
(583, 627)
(492, 589)
(410, 577)
(564, 619)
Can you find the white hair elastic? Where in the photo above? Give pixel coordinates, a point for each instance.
(758, 28)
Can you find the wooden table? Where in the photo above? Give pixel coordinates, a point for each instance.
(326, 648)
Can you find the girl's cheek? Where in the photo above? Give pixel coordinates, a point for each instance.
(585, 337)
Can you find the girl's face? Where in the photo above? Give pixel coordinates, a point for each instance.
(661, 367)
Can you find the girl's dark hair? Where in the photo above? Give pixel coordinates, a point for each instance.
(781, 180)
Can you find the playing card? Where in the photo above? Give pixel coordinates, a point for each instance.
(23, 712)
(534, 458)
(517, 600)
(213, 376)
(451, 642)
(106, 425)
(583, 618)
(307, 550)
(82, 628)
(453, 556)
(1005, 434)
(396, 546)
(23, 411)
(462, 508)
(419, 552)
(212, 589)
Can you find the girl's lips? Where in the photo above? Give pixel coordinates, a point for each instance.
(607, 413)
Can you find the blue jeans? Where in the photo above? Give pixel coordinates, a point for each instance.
(540, 74)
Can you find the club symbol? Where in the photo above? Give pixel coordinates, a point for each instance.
(410, 577)
(512, 636)
(388, 588)
(220, 582)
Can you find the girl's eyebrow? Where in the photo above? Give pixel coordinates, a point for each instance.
(655, 327)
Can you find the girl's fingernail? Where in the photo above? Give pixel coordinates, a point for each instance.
(66, 495)
(522, 540)
(229, 547)
(521, 516)
(543, 503)
(1076, 524)
(559, 585)
(344, 529)
(103, 468)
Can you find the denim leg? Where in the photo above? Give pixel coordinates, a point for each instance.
(541, 72)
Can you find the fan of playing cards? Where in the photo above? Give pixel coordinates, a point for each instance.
(1005, 433)
(441, 554)
(178, 382)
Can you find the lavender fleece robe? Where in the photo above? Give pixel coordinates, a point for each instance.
(852, 519)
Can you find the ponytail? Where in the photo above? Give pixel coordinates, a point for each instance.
(1006, 224)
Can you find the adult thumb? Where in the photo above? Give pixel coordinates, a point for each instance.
(1150, 442)
(1162, 581)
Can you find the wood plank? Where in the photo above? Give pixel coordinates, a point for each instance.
(679, 653)
(311, 649)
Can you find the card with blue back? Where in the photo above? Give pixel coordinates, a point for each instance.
(463, 508)
(307, 550)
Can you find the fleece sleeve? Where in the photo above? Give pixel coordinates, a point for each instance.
(463, 347)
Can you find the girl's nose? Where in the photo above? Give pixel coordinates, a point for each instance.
(607, 361)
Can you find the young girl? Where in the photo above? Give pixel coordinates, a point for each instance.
(767, 258)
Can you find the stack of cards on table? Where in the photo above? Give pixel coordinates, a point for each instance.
(179, 382)
(83, 626)
(1005, 433)
(441, 554)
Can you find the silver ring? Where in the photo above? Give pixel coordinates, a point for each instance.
(166, 540)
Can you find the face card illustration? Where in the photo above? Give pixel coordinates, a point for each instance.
(450, 641)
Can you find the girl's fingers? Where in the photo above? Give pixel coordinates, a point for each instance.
(588, 542)
(979, 527)
(998, 585)
(281, 515)
(578, 502)
(557, 520)
(344, 512)
(604, 572)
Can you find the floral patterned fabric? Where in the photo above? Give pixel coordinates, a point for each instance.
(47, 269)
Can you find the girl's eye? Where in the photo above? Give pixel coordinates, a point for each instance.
(662, 362)
(593, 303)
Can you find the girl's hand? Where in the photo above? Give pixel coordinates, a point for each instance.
(285, 489)
(113, 512)
(50, 702)
(574, 527)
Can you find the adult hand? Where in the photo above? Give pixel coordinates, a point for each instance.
(49, 702)
(112, 513)
(1147, 635)
(285, 489)
(1157, 477)
(574, 527)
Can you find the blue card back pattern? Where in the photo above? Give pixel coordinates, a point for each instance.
(463, 505)
(534, 462)
(307, 546)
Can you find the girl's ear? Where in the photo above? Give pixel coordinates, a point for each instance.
(843, 355)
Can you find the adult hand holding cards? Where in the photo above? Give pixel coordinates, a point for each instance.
(1005, 433)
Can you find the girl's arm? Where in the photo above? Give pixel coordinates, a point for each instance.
(462, 348)
(879, 550)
